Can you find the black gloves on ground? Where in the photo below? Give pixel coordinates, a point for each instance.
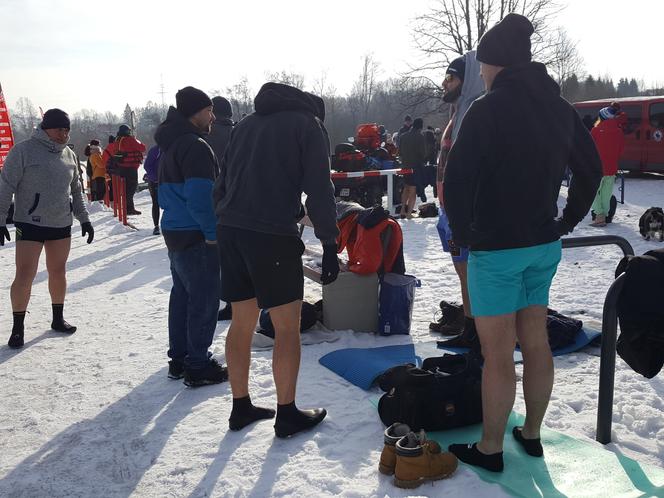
(562, 227)
(86, 228)
(330, 264)
(4, 234)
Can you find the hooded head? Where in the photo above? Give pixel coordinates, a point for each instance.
(221, 107)
(319, 103)
(277, 97)
(507, 43)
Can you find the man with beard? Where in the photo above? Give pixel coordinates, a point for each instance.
(187, 170)
(461, 86)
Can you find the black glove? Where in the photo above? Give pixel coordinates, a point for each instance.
(4, 233)
(87, 228)
(330, 264)
(562, 227)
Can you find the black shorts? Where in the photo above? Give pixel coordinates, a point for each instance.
(261, 265)
(415, 178)
(34, 233)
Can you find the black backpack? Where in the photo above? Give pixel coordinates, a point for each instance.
(445, 393)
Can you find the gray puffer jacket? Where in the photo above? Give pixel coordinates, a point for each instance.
(43, 178)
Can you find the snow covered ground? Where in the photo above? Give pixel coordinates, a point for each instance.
(94, 414)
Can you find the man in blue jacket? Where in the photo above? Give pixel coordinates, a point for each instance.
(501, 189)
(187, 170)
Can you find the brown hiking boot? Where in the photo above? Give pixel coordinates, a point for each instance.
(420, 461)
(388, 457)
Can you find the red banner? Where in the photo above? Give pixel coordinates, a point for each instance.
(6, 136)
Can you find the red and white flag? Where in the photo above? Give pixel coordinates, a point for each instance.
(6, 136)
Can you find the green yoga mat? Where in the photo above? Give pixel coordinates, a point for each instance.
(570, 467)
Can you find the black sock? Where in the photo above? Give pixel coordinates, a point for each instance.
(59, 324)
(290, 420)
(16, 339)
(532, 446)
(245, 413)
(469, 454)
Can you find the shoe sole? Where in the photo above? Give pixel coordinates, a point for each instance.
(400, 483)
(201, 383)
(175, 377)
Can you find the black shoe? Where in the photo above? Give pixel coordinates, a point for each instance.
(225, 314)
(213, 373)
(156, 231)
(532, 446)
(175, 369)
(450, 324)
(289, 424)
(467, 339)
(63, 326)
(133, 212)
(16, 339)
(468, 453)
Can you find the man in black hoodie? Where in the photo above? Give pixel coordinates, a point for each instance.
(187, 170)
(274, 155)
(501, 188)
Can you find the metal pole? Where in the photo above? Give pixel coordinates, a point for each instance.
(607, 363)
(390, 193)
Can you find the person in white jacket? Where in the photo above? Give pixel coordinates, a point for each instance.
(41, 175)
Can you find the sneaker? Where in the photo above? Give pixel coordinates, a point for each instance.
(175, 369)
(420, 460)
(156, 231)
(133, 212)
(449, 324)
(213, 373)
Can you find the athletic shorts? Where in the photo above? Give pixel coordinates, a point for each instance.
(415, 178)
(34, 233)
(459, 254)
(508, 280)
(260, 265)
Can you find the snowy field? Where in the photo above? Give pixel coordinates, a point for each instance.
(94, 415)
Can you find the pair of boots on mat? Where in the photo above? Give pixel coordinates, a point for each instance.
(414, 460)
(454, 322)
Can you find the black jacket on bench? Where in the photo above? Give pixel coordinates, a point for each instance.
(505, 169)
(274, 155)
(641, 312)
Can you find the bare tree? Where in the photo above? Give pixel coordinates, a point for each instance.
(241, 97)
(24, 118)
(452, 27)
(363, 90)
(566, 60)
(287, 78)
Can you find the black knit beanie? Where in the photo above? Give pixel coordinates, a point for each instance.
(124, 131)
(221, 107)
(190, 100)
(55, 118)
(457, 67)
(507, 43)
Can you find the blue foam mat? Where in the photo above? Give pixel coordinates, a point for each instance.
(583, 338)
(361, 366)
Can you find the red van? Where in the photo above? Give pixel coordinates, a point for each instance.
(644, 133)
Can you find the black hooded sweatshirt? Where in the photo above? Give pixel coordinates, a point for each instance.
(274, 155)
(506, 167)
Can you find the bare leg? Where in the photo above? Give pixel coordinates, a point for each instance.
(537, 366)
(462, 271)
(405, 196)
(238, 345)
(498, 339)
(57, 253)
(286, 354)
(27, 261)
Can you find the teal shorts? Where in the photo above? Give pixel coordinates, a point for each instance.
(505, 281)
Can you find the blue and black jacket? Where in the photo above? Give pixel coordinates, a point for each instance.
(187, 171)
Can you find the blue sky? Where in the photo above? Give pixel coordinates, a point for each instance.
(89, 54)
